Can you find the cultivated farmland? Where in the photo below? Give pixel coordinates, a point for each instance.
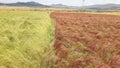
(25, 38)
(81, 40)
(87, 40)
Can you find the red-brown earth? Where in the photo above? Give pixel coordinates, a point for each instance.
(87, 40)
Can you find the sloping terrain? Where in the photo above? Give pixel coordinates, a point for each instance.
(103, 7)
(89, 7)
(27, 4)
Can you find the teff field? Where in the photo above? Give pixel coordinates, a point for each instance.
(41, 38)
(25, 38)
(85, 40)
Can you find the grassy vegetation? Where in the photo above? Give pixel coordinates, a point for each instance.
(111, 13)
(103, 12)
(25, 38)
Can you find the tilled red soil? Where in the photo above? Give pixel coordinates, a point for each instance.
(87, 40)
